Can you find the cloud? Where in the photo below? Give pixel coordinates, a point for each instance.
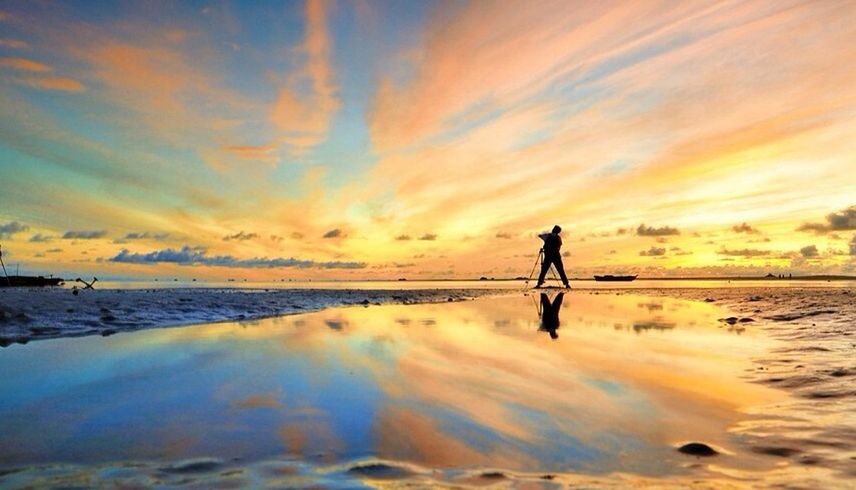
(276, 238)
(297, 235)
(745, 252)
(653, 252)
(334, 233)
(24, 64)
(145, 236)
(504, 235)
(744, 228)
(62, 84)
(263, 153)
(199, 256)
(53, 250)
(844, 220)
(84, 235)
(403, 237)
(9, 229)
(305, 106)
(809, 251)
(621, 231)
(643, 230)
(429, 237)
(13, 43)
(39, 238)
(241, 236)
(853, 245)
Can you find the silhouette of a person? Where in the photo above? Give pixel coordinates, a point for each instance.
(550, 314)
(552, 255)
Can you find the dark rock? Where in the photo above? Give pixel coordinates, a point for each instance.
(746, 319)
(697, 449)
(493, 475)
(709, 300)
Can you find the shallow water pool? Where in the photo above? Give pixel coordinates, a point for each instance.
(504, 387)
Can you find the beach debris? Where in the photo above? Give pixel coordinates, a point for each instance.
(87, 285)
(697, 449)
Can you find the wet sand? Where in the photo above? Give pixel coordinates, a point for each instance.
(454, 394)
(28, 314)
(814, 361)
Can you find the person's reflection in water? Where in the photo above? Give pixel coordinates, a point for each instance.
(550, 314)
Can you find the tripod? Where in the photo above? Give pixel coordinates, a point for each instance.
(538, 262)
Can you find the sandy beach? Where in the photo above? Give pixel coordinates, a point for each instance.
(450, 388)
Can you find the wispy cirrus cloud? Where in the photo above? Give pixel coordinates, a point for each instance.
(188, 255)
(13, 43)
(24, 64)
(308, 100)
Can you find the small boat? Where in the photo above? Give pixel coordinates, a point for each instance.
(29, 281)
(611, 278)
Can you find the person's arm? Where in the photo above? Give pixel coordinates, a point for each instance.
(543, 236)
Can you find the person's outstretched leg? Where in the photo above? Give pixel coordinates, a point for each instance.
(558, 262)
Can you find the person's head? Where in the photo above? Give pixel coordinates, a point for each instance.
(557, 229)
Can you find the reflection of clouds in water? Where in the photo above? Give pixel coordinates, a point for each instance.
(458, 392)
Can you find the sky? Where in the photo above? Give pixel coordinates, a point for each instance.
(371, 140)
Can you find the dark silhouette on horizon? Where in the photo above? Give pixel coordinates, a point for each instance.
(550, 314)
(552, 251)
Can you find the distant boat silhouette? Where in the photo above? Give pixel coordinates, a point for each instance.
(29, 281)
(611, 278)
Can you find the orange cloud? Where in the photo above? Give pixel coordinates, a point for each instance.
(13, 43)
(24, 64)
(52, 83)
(263, 153)
(305, 118)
